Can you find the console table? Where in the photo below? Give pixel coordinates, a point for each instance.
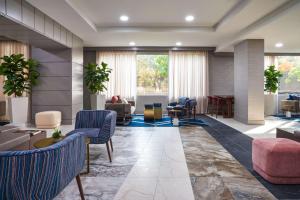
(12, 138)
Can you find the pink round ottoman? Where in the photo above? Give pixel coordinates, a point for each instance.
(277, 160)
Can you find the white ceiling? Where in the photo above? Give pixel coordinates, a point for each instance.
(218, 23)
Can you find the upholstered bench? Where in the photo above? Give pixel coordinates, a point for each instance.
(48, 119)
(277, 160)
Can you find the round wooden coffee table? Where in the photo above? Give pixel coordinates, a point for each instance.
(46, 142)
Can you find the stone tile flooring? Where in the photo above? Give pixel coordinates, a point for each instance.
(214, 173)
(148, 163)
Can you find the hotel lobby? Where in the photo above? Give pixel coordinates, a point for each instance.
(140, 100)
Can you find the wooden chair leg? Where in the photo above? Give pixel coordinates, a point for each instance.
(80, 187)
(88, 158)
(111, 145)
(108, 151)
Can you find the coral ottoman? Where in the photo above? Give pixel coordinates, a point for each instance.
(48, 119)
(277, 160)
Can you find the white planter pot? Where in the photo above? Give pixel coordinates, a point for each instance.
(270, 104)
(97, 101)
(18, 109)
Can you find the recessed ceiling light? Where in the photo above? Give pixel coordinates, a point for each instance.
(124, 18)
(278, 45)
(178, 43)
(132, 43)
(189, 18)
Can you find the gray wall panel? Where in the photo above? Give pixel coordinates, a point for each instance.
(14, 10)
(51, 98)
(63, 35)
(56, 31)
(61, 55)
(27, 14)
(221, 75)
(69, 39)
(49, 27)
(2, 6)
(54, 83)
(39, 21)
(57, 70)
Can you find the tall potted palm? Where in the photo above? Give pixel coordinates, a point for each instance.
(95, 77)
(20, 76)
(272, 79)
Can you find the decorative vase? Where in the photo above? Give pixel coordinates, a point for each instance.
(270, 104)
(18, 110)
(97, 101)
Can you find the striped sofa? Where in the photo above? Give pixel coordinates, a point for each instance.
(42, 173)
(98, 125)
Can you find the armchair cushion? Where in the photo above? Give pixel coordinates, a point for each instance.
(182, 100)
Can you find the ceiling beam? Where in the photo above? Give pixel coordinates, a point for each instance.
(231, 13)
(267, 19)
(130, 29)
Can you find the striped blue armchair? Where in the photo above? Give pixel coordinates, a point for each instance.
(42, 173)
(98, 125)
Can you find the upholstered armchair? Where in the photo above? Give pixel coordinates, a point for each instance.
(186, 105)
(124, 110)
(98, 125)
(42, 173)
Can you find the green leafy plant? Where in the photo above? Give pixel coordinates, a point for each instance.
(272, 77)
(20, 74)
(96, 76)
(56, 134)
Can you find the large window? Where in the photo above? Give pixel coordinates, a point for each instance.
(290, 68)
(152, 74)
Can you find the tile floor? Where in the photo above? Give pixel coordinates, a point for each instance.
(216, 174)
(152, 163)
(259, 131)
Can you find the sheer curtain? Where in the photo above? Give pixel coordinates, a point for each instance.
(7, 48)
(122, 80)
(188, 76)
(271, 60)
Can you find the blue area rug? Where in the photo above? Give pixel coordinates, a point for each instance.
(293, 118)
(166, 121)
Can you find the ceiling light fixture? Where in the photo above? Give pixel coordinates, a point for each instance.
(178, 43)
(124, 18)
(189, 18)
(132, 43)
(278, 45)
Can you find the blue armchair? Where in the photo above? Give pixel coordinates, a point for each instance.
(98, 125)
(42, 173)
(186, 105)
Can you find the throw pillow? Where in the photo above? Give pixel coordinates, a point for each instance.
(114, 99)
(124, 101)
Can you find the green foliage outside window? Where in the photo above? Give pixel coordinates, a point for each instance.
(152, 74)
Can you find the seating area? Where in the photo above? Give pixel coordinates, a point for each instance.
(140, 100)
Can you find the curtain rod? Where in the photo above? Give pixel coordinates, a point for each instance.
(149, 49)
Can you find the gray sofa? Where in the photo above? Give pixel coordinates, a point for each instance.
(124, 111)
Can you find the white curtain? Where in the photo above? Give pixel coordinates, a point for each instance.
(271, 60)
(8, 48)
(122, 80)
(188, 76)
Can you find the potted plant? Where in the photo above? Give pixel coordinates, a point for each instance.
(20, 76)
(272, 77)
(95, 77)
(56, 135)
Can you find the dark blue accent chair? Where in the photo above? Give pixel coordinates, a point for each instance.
(185, 104)
(42, 173)
(98, 125)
